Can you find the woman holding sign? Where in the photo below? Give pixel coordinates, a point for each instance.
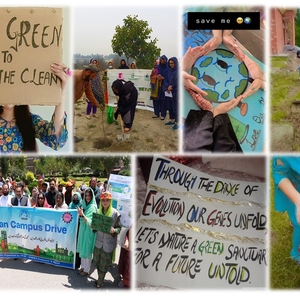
(106, 243)
(286, 175)
(19, 127)
(86, 236)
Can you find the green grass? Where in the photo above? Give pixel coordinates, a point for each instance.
(284, 90)
(278, 62)
(284, 272)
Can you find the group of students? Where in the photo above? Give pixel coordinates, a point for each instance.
(164, 90)
(93, 246)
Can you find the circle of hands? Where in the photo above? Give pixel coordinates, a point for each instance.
(192, 54)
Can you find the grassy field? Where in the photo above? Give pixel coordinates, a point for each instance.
(284, 89)
(284, 272)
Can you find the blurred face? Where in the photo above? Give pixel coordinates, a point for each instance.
(34, 192)
(116, 91)
(59, 200)
(60, 188)
(88, 196)
(18, 192)
(105, 202)
(75, 199)
(93, 75)
(52, 185)
(89, 75)
(93, 182)
(5, 189)
(171, 64)
(41, 200)
(162, 61)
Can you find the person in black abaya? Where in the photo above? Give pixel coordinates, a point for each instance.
(128, 95)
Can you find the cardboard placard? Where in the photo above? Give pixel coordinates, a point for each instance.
(198, 230)
(31, 40)
(101, 223)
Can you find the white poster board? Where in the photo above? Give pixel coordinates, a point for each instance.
(201, 231)
(121, 190)
(141, 80)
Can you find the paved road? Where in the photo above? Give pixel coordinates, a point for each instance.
(26, 275)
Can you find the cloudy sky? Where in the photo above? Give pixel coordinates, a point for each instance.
(94, 27)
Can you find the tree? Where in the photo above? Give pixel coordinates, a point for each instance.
(109, 162)
(133, 40)
(4, 166)
(297, 28)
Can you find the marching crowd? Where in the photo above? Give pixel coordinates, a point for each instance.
(93, 246)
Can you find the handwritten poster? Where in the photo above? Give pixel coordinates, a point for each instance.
(101, 223)
(248, 118)
(199, 231)
(31, 40)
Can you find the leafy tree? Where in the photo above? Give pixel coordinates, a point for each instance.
(133, 40)
(297, 28)
(4, 166)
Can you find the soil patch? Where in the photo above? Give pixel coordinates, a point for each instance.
(147, 134)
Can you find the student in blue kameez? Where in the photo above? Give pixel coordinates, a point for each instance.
(286, 175)
(171, 103)
(163, 81)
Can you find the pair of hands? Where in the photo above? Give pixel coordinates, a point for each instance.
(219, 109)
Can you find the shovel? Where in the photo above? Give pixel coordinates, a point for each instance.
(123, 136)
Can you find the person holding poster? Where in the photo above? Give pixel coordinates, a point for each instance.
(286, 175)
(21, 128)
(86, 236)
(106, 243)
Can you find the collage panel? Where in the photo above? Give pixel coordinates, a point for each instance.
(223, 64)
(201, 223)
(78, 82)
(126, 79)
(35, 85)
(66, 216)
(284, 235)
(284, 79)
